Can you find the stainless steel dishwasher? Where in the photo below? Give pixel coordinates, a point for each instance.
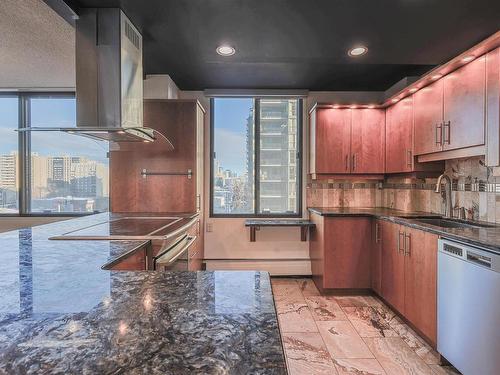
(469, 308)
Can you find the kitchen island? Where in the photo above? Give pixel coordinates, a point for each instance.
(60, 313)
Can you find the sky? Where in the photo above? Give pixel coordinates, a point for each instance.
(48, 113)
(230, 120)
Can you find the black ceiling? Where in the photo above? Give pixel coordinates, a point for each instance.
(302, 44)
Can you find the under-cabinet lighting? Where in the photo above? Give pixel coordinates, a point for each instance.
(413, 89)
(467, 59)
(395, 100)
(436, 76)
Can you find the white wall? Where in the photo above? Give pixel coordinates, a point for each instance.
(160, 86)
(227, 245)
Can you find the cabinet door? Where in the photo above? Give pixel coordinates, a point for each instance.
(347, 253)
(376, 257)
(428, 118)
(393, 265)
(367, 141)
(399, 139)
(332, 137)
(420, 281)
(464, 106)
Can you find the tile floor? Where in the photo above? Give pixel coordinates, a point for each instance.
(347, 335)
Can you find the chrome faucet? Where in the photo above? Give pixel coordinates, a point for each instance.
(449, 208)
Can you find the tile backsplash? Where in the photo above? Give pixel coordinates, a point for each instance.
(475, 187)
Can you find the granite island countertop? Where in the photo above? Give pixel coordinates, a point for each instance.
(60, 313)
(487, 238)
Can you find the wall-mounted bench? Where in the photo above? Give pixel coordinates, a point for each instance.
(255, 225)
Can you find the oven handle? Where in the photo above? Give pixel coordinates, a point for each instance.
(169, 258)
(182, 229)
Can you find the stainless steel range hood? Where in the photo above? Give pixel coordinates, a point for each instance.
(109, 79)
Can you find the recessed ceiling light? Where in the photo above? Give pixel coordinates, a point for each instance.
(357, 51)
(436, 76)
(225, 50)
(413, 89)
(467, 59)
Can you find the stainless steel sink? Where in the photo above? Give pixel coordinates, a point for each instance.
(453, 223)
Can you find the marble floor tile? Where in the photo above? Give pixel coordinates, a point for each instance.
(419, 346)
(357, 301)
(358, 367)
(396, 357)
(287, 293)
(368, 322)
(342, 340)
(307, 287)
(295, 317)
(444, 370)
(323, 308)
(306, 354)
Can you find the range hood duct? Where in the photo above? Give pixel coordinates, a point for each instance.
(109, 79)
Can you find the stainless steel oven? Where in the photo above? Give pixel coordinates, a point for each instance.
(176, 257)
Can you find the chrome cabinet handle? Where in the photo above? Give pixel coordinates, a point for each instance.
(407, 245)
(198, 202)
(353, 162)
(446, 129)
(377, 233)
(400, 234)
(347, 162)
(439, 133)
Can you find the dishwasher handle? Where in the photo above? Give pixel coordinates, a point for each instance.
(478, 259)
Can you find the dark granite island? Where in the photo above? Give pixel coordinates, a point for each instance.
(60, 313)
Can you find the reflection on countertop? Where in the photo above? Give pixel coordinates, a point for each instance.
(61, 313)
(486, 237)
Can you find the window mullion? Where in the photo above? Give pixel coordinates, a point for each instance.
(24, 155)
(257, 157)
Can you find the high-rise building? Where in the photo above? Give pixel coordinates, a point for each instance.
(278, 155)
(9, 181)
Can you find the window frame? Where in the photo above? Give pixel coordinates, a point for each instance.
(298, 170)
(24, 151)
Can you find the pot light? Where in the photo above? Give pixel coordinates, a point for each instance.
(225, 50)
(357, 51)
(436, 76)
(413, 89)
(467, 59)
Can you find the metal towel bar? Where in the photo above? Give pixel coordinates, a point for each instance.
(145, 173)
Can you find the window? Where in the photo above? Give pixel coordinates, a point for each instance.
(54, 172)
(256, 159)
(9, 157)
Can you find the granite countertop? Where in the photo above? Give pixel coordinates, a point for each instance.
(488, 238)
(60, 313)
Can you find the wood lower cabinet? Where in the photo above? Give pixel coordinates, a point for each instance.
(393, 265)
(340, 252)
(421, 281)
(409, 275)
(376, 257)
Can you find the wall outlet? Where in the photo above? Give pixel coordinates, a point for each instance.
(210, 227)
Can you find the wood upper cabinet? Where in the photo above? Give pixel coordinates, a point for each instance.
(346, 141)
(450, 113)
(340, 252)
(330, 140)
(464, 106)
(428, 118)
(399, 137)
(393, 265)
(421, 281)
(367, 141)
